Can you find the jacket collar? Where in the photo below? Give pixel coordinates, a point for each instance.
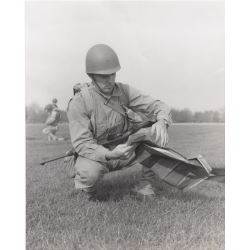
(116, 90)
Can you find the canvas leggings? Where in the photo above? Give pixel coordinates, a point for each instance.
(89, 173)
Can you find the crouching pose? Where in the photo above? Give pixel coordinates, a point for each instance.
(105, 108)
(52, 123)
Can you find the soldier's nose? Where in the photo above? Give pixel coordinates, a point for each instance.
(111, 81)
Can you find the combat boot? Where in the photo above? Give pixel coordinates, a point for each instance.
(93, 196)
(61, 138)
(144, 194)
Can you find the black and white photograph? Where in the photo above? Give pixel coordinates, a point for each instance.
(125, 125)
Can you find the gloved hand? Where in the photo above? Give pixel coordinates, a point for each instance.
(161, 131)
(147, 135)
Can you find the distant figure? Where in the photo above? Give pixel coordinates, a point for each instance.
(52, 122)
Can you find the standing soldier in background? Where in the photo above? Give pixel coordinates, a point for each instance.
(105, 108)
(52, 122)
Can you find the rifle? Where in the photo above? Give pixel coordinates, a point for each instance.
(68, 153)
(110, 139)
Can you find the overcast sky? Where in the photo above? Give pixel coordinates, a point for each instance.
(173, 51)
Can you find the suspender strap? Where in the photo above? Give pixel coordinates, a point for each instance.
(113, 104)
(124, 95)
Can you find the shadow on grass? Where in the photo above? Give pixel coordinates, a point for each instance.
(116, 186)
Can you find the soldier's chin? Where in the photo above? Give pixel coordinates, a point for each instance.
(107, 90)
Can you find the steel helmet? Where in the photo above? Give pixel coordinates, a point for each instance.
(49, 107)
(54, 100)
(101, 59)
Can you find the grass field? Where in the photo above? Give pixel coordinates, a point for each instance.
(59, 219)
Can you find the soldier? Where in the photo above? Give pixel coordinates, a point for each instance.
(112, 105)
(52, 122)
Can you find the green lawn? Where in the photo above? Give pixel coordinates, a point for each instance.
(58, 218)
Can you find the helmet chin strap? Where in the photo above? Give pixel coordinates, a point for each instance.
(95, 83)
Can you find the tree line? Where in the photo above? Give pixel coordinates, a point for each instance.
(187, 115)
(35, 114)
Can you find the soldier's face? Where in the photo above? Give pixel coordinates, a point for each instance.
(105, 82)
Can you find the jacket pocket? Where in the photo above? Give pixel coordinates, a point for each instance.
(100, 129)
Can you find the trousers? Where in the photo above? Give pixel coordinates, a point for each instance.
(89, 173)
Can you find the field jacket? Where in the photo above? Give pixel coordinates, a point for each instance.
(84, 128)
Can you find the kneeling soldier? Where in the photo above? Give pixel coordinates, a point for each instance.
(105, 108)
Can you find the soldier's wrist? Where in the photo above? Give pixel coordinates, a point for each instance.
(165, 122)
(109, 155)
